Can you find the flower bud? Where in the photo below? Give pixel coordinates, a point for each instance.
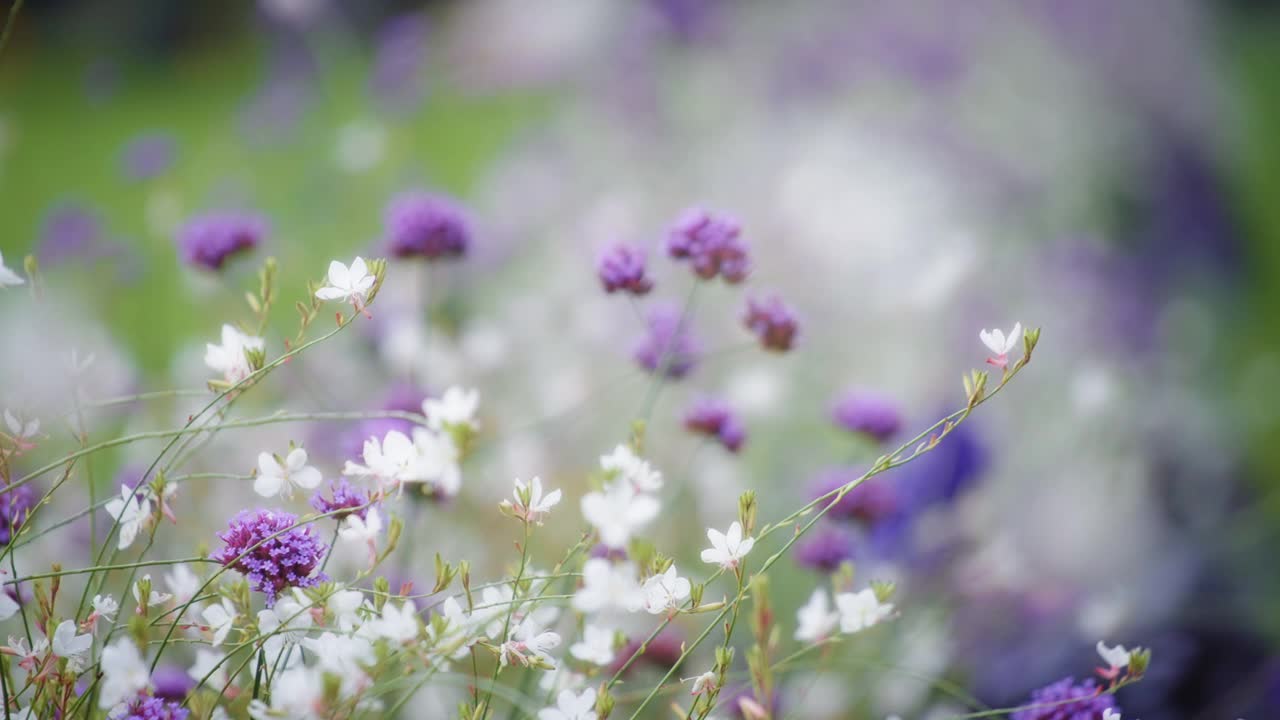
(747, 506)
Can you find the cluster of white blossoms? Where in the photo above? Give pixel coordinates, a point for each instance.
(237, 357)
(853, 612)
(626, 502)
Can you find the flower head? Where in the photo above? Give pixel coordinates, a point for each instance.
(715, 419)
(622, 267)
(624, 465)
(711, 244)
(221, 619)
(362, 530)
(343, 500)
(456, 408)
(8, 278)
(667, 348)
(349, 284)
(15, 507)
(1000, 344)
(66, 644)
(617, 512)
(861, 610)
(869, 501)
(232, 357)
(665, 591)
(208, 241)
(432, 227)
(772, 322)
(704, 683)
(1116, 657)
(148, 156)
(572, 706)
(596, 646)
(124, 673)
(530, 504)
(868, 412)
(826, 550)
(529, 645)
(816, 620)
(276, 477)
(274, 554)
(129, 511)
(608, 586)
(1055, 702)
(727, 549)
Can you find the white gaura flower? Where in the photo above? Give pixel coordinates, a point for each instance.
(130, 512)
(529, 645)
(451, 638)
(124, 673)
(286, 624)
(220, 619)
(1000, 344)
(617, 512)
(351, 284)
(665, 592)
(105, 606)
(572, 706)
(816, 620)
(456, 408)
(154, 597)
(727, 549)
(595, 647)
(704, 683)
(397, 625)
(296, 694)
(345, 656)
(19, 430)
(537, 504)
(362, 530)
(861, 610)
(389, 461)
(607, 586)
(345, 607)
(626, 467)
(8, 278)
(1116, 657)
(436, 463)
(229, 358)
(65, 643)
(208, 663)
(183, 583)
(279, 478)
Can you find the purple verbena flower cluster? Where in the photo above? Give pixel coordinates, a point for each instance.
(773, 322)
(868, 502)
(15, 507)
(148, 707)
(826, 549)
(868, 412)
(344, 499)
(712, 244)
(276, 553)
(622, 267)
(668, 348)
(1055, 702)
(208, 240)
(716, 419)
(426, 225)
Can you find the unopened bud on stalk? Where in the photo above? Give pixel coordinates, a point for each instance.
(747, 506)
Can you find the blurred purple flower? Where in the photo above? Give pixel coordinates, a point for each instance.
(397, 78)
(715, 419)
(825, 549)
(208, 240)
(147, 707)
(622, 267)
(668, 347)
(712, 244)
(402, 397)
(1057, 706)
(869, 412)
(771, 321)
(342, 498)
(148, 156)
(71, 232)
(871, 501)
(426, 225)
(662, 652)
(944, 473)
(276, 554)
(15, 508)
(172, 682)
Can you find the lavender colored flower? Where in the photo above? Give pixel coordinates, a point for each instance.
(282, 555)
(714, 418)
(1056, 698)
(70, 231)
(712, 244)
(773, 322)
(825, 550)
(870, 502)
(147, 707)
(622, 267)
(426, 225)
(397, 78)
(148, 156)
(343, 498)
(208, 240)
(662, 652)
(15, 508)
(172, 682)
(668, 347)
(868, 412)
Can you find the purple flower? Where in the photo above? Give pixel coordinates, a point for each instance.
(146, 707)
(208, 240)
(15, 508)
(621, 267)
(397, 78)
(172, 682)
(715, 419)
(668, 347)
(71, 231)
(343, 498)
(871, 501)
(773, 322)
(868, 412)
(711, 244)
(148, 156)
(422, 224)
(404, 397)
(825, 550)
(276, 554)
(662, 652)
(1056, 706)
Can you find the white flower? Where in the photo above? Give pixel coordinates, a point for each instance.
(356, 529)
(457, 407)
(8, 606)
(399, 626)
(285, 624)
(348, 283)
(296, 694)
(67, 644)
(706, 682)
(124, 673)
(727, 549)
(451, 639)
(629, 468)
(1109, 714)
(816, 620)
(279, 478)
(154, 597)
(344, 656)
(606, 586)
(8, 277)
(389, 461)
(20, 430)
(129, 512)
(861, 610)
(528, 646)
(1000, 344)
(105, 606)
(665, 592)
(596, 646)
(1117, 657)
(436, 463)
(572, 706)
(538, 504)
(617, 512)
(345, 606)
(208, 663)
(220, 618)
(229, 358)
(183, 582)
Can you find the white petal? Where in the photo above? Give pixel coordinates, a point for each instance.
(268, 485)
(358, 269)
(339, 275)
(329, 293)
(308, 478)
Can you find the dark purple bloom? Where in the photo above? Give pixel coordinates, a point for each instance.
(208, 240)
(711, 244)
(15, 507)
(147, 707)
(668, 347)
(622, 267)
(825, 550)
(715, 419)
(662, 652)
(1056, 698)
(148, 156)
(172, 682)
(771, 321)
(944, 473)
(422, 224)
(343, 498)
(397, 77)
(868, 412)
(282, 555)
(872, 500)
